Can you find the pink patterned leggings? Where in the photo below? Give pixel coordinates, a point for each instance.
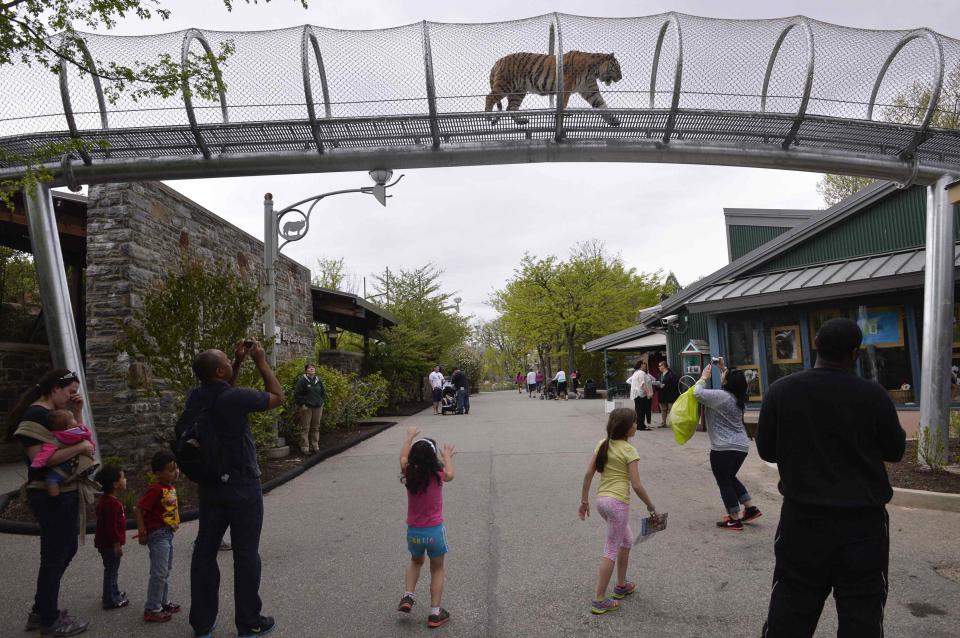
(617, 515)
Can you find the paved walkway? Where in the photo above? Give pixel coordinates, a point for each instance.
(521, 564)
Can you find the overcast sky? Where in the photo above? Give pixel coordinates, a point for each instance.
(476, 223)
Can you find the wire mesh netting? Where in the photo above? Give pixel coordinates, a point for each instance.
(784, 82)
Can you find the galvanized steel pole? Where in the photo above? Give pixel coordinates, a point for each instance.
(937, 324)
(55, 293)
(270, 251)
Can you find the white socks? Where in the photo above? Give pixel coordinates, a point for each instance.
(434, 611)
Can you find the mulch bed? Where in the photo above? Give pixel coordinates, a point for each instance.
(16, 510)
(404, 409)
(907, 474)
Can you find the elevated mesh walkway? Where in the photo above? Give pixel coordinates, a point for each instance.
(764, 92)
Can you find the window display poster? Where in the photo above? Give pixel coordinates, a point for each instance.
(881, 326)
(785, 342)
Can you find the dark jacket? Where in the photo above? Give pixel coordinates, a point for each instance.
(829, 432)
(460, 380)
(310, 393)
(669, 388)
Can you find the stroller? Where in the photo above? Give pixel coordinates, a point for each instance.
(549, 391)
(448, 399)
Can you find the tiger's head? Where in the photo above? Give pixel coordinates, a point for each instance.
(610, 70)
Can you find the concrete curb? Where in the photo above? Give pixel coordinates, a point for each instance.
(33, 529)
(921, 499)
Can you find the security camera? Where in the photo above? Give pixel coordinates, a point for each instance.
(669, 320)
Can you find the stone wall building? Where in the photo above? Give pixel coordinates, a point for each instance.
(137, 234)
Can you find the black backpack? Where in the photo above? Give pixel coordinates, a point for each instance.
(196, 445)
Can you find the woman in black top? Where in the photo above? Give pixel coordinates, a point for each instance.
(57, 390)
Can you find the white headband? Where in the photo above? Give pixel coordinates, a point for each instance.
(428, 442)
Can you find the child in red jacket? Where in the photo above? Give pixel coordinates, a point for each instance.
(111, 533)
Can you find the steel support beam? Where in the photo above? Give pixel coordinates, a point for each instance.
(500, 152)
(55, 292)
(937, 322)
(561, 102)
(431, 86)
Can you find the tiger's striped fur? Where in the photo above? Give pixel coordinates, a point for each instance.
(516, 74)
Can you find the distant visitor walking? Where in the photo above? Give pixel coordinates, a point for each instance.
(310, 394)
(669, 391)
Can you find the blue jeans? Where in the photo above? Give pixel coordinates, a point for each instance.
(239, 507)
(58, 545)
(463, 400)
(160, 542)
(111, 569)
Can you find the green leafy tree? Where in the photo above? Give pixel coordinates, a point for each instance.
(42, 32)
(428, 328)
(193, 310)
(556, 306)
(836, 188)
(907, 107)
(19, 294)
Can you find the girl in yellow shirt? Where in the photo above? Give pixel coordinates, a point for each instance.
(616, 461)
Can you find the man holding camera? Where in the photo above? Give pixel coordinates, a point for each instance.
(237, 500)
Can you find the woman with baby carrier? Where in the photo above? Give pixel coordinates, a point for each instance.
(58, 515)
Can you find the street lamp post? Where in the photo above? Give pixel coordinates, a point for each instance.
(295, 230)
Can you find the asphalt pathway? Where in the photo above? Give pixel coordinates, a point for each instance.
(521, 562)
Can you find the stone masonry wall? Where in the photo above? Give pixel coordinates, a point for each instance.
(136, 234)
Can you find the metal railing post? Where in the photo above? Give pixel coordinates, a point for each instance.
(938, 301)
(558, 135)
(65, 90)
(431, 86)
(937, 48)
(551, 49)
(188, 38)
(55, 292)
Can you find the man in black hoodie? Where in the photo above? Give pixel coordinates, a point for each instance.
(462, 384)
(829, 432)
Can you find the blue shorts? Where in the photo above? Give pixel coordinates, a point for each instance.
(432, 540)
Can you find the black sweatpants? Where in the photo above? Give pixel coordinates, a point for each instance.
(819, 549)
(642, 407)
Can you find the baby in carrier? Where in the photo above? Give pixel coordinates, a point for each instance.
(67, 431)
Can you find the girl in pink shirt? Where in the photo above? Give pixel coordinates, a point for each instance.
(423, 474)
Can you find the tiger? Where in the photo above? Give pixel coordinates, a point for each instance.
(516, 74)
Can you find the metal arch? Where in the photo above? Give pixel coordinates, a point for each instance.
(801, 21)
(551, 46)
(431, 86)
(558, 136)
(65, 90)
(937, 47)
(309, 38)
(188, 38)
(677, 74)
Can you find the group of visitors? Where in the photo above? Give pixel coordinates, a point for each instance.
(643, 387)
(234, 500)
(533, 382)
(828, 430)
(450, 396)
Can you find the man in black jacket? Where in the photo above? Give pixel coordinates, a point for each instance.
(829, 433)
(669, 391)
(462, 384)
